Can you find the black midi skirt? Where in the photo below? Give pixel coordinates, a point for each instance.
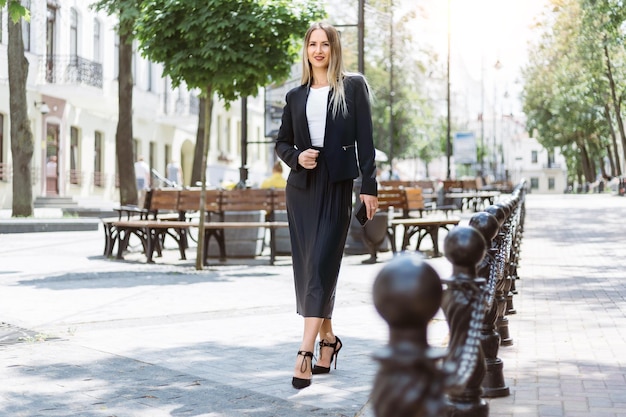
(319, 217)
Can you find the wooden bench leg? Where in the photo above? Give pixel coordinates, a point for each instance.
(109, 239)
(152, 239)
(219, 237)
(123, 236)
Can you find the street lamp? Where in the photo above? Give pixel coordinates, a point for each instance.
(497, 67)
(449, 117)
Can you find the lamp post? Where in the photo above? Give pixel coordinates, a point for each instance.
(448, 144)
(497, 67)
(391, 92)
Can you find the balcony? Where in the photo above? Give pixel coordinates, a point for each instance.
(73, 70)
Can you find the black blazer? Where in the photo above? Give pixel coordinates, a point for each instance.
(345, 137)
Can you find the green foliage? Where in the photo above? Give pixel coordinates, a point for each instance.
(16, 10)
(236, 47)
(566, 84)
(127, 12)
(415, 128)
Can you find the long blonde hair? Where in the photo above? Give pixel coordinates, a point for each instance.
(336, 71)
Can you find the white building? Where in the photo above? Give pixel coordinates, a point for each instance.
(545, 171)
(72, 98)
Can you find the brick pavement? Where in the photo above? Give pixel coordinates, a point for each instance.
(113, 338)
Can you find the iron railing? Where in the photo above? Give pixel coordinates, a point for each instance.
(61, 69)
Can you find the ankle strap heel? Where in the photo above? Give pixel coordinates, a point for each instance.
(337, 345)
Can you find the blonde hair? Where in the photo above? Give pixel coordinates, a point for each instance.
(336, 71)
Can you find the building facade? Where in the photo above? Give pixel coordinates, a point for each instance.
(72, 96)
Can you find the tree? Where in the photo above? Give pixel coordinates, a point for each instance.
(22, 146)
(396, 67)
(573, 85)
(127, 12)
(223, 47)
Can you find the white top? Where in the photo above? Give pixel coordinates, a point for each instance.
(316, 114)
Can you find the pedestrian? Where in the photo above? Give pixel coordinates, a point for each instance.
(142, 176)
(326, 127)
(276, 180)
(174, 174)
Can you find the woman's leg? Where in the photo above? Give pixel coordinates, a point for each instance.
(326, 352)
(311, 329)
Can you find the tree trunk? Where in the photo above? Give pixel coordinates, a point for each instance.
(22, 146)
(616, 169)
(208, 111)
(199, 150)
(124, 134)
(586, 163)
(616, 103)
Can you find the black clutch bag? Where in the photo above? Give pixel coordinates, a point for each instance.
(361, 213)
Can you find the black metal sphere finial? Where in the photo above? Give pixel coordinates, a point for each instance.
(498, 212)
(486, 224)
(407, 292)
(464, 246)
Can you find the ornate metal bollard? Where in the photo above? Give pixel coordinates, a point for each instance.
(409, 383)
(502, 287)
(464, 306)
(493, 383)
(414, 378)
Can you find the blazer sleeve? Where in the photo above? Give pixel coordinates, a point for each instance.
(364, 137)
(285, 140)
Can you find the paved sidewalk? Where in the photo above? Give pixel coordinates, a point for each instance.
(110, 338)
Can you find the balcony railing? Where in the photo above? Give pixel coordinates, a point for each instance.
(76, 176)
(5, 171)
(99, 179)
(73, 70)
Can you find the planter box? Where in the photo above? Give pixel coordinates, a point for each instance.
(241, 243)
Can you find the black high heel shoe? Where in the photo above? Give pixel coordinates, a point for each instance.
(323, 343)
(299, 383)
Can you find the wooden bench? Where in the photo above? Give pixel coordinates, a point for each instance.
(153, 231)
(422, 227)
(242, 201)
(161, 204)
(396, 201)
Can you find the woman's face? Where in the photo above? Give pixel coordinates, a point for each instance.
(318, 49)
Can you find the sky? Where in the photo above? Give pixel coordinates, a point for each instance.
(484, 32)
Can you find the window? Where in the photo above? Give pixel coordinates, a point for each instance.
(3, 170)
(135, 149)
(97, 57)
(26, 28)
(152, 155)
(168, 156)
(74, 155)
(150, 75)
(534, 157)
(133, 63)
(534, 183)
(116, 58)
(73, 36)
(551, 183)
(550, 159)
(98, 175)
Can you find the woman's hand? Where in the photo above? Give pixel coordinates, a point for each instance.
(308, 158)
(371, 204)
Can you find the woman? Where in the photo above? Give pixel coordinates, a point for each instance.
(326, 122)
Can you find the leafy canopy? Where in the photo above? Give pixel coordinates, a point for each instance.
(233, 46)
(16, 10)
